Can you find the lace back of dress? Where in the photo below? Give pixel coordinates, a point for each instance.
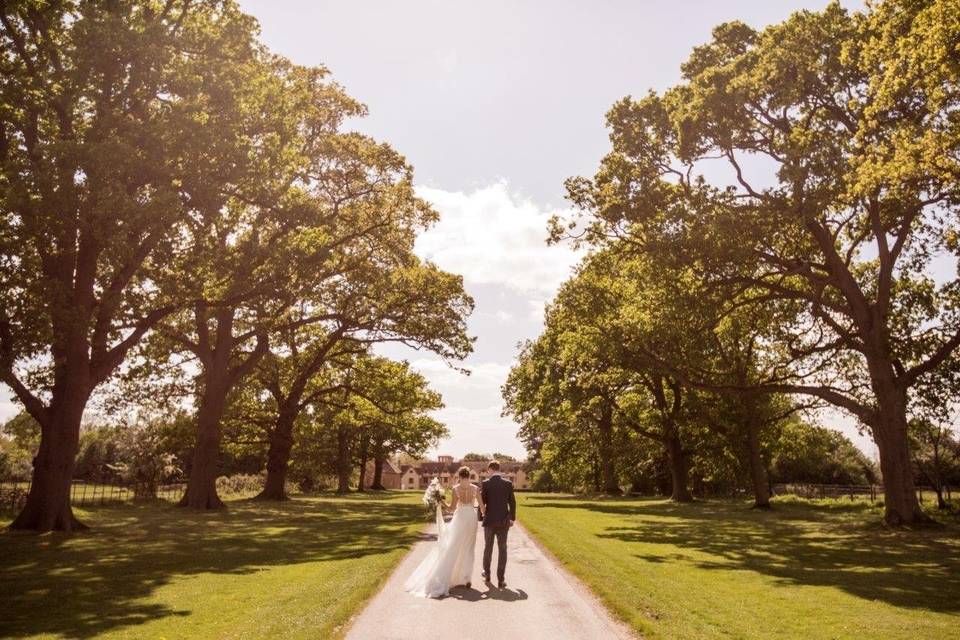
(465, 494)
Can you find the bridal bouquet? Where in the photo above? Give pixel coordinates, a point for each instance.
(434, 495)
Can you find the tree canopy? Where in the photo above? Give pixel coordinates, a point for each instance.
(165, 176)
(798, 172)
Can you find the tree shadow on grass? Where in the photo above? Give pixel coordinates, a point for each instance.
(842, 546)
(83, 585)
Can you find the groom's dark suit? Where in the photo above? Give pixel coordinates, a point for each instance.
(500, 512)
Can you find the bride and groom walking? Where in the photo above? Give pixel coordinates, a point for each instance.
(450, 562)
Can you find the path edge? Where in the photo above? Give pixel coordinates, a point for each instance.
(344, 629)
(615, 620)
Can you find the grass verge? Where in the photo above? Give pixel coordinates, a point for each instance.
(297, 569)
(717, 569)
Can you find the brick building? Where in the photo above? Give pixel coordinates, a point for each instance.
(419, 475)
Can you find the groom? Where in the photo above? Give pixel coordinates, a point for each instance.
(499, 512)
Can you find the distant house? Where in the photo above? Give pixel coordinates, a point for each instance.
(390, 475)
(419, 475)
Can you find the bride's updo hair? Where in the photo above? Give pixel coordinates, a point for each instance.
(463, 472)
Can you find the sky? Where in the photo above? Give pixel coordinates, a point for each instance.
(495, 104)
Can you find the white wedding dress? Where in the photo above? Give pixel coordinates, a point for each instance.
(450, 562)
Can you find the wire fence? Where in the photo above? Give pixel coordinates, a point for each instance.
(871, 491)
(13, 494)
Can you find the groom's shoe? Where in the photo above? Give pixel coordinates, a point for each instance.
(502, 584)
(467, 585)
(485, 575)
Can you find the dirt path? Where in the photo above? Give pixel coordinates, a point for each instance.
(541, 601)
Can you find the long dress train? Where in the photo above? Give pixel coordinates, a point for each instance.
(450, 561)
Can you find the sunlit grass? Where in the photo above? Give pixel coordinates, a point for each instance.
(720, 570)
(297, 569)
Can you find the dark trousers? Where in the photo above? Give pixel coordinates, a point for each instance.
(500, 533)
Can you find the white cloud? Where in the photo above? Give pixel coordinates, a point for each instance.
(536, 308)
(447, 60)
(480, 430)
(8, 408)
(497, 241)
(473, 406)
(491, 236)
(485, 377)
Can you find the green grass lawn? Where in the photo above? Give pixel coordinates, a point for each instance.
(717, 569)
(299, 569)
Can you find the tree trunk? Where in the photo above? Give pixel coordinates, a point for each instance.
(48, 504)
(377, 484)
(608, 469)
(145, 491)
(890, 433)
(364, 454)
(678, 470)
(278, 457)
(699, 490)
(758, 471)
(343, 460)
(941, 503)
(201, 490)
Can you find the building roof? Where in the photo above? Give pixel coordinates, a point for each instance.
(432, 467)
(452, 467)
(389, 467)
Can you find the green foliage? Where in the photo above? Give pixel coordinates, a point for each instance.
(165, 175)
(838, 136)
(935, 450)
(812, 454)
(688, 398)
(99, 457)
(239, 484)
(114, 139)
(391, 404)
(147, 461)
(486, 457)
(142, 454)
(19, 439)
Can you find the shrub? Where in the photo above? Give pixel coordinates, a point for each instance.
(240, 484)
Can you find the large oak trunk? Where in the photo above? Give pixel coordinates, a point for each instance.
(202, 486)
(48, 503)
(608, 468)
(343, 460)
(890, 433)
(278, 458)
(679, 470)
(758, 470)
(364, 456)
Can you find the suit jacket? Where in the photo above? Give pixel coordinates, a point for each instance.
(501, 507)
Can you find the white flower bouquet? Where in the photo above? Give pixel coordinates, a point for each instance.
(434, 495)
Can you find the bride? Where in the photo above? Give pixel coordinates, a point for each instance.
(450, 562)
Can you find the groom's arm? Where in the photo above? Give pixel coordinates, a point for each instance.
(513, 505)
